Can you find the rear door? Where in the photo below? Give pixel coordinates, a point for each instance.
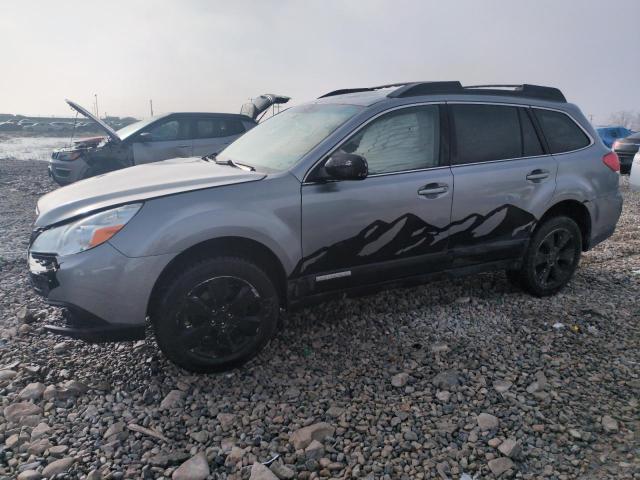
(211, 134)
(169, 138)
(393, 223)
(503, 180)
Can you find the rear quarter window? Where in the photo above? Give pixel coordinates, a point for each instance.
(561, 131)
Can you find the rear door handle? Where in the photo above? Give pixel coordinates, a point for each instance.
(184, 146)
(537, 175)
(433, 190)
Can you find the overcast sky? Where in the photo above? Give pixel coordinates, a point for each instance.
(198, 55)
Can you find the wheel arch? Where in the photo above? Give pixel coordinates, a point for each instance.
(575, 210)
(242, 247)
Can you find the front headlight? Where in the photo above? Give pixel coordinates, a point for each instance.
(86, 233)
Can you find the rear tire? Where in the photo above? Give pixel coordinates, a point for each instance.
(551, 258)
(216, 314)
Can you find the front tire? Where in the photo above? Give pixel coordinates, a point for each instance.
(216, 314)
(552, 257)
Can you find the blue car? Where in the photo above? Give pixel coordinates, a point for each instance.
(611, 134)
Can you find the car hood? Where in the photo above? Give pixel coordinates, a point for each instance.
(136, 184)
(84, 112)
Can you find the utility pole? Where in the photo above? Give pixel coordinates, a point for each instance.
(95, 95)
(151, 106)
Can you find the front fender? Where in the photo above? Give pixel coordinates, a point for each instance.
(267, 212)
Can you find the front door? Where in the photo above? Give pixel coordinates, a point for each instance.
(390, 225)
(503, 181)
(169, 138)
(213, 134)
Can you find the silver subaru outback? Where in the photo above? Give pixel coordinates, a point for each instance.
(361, 188)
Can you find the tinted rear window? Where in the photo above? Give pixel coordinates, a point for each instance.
(485, 132)
(561, 132)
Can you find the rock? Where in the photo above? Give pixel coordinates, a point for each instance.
(235, 455)
(500, 465)
(501, 386)
(60, 348)
(113, 429)
(147, 431)
(38, 447)
(58, 450)
(13, 441)
(200, 437)
(494, 442)
(314, 450)
(24, 329)
(334, 411)
(7, 375)
(168, 459)
(443, 470)
(260, 472)
(172, 400)
(539, 384)
(575, 433)
(609, 424)
(410, 436)
(446, 380)
(58, 466)
(400, 380)
(33, 391)
(282, 471)
(303, 437)
(196, 468)
(226, 419)
(50, 392)
(443, 396)
(94, 475)
(439, 348)
(510, 448)
(41, 430)
(17, 411)
(29, 475)
(463, 300)
(25, 315)
(487, 421)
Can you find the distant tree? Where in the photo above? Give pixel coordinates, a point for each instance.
(626, 118)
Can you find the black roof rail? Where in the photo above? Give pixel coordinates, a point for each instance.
(343, 91)
(525, 90)
(414, 89)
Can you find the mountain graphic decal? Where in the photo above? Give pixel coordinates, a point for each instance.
(409, 235)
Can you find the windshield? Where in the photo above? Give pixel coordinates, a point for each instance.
(129, 130)
(280, 142)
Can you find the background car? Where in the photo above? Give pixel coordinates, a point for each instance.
(157, 138)
(634, 178)
(626, 148)
(611, 134)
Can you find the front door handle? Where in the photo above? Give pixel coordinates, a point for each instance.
(433, 190)
(184, 146)
(537, 175)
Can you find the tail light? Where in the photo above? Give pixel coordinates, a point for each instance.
(612, 161)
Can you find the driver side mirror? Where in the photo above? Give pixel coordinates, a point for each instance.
(346, 166)
(145, 137)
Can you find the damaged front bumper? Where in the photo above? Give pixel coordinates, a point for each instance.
(104, 294)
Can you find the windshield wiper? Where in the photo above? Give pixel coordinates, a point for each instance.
(231, 163)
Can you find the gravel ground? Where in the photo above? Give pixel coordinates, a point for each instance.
(458, 379)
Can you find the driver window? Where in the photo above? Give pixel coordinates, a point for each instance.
(406, 139)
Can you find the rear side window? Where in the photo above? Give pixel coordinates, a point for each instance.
(485, 132)
(561, 132)
(218, 127)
